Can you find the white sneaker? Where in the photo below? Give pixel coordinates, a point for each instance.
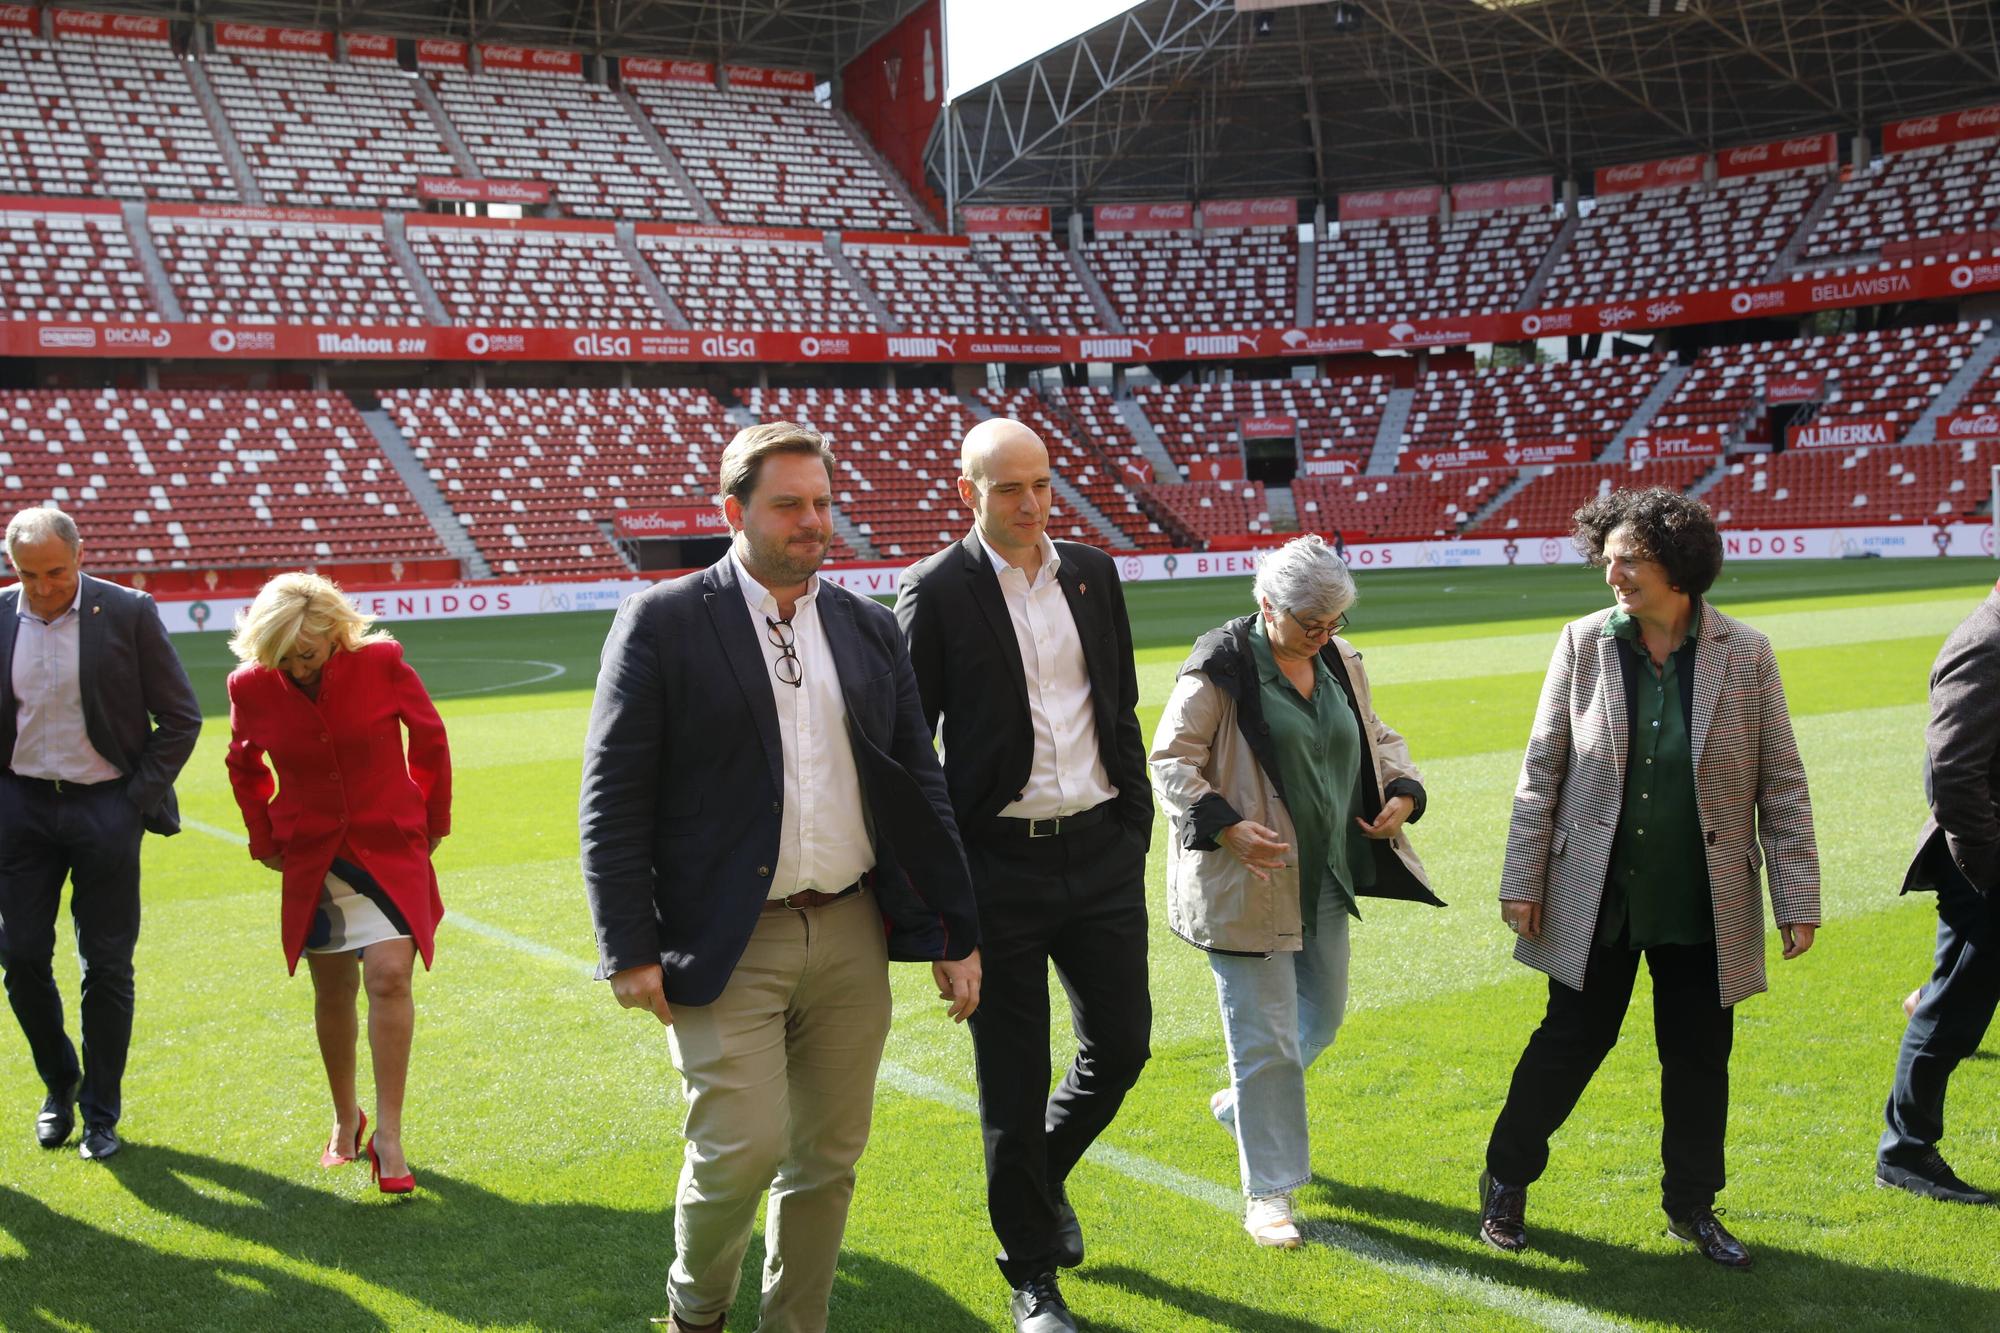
(1268, 1219)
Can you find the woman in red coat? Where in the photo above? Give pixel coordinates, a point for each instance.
(352, 824)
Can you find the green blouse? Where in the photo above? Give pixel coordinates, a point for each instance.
(1319, 752)
(1657, 891)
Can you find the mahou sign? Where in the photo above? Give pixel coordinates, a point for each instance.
(1814, 150)
(256, 37)
(1793, 388)
(1365, 205)
(1654, 175)
(1841, 433)
(644, 69)
(452, 189)
(1230, 214)
(1109, 218)
(986, 218)
(684, 521)
(1520, 192)
(1980, 122)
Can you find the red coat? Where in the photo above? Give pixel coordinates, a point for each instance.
(342, 779)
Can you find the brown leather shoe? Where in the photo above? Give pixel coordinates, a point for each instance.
(1502, 1209)
(1701, 1230)
(673, 1323)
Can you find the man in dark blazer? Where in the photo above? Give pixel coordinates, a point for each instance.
(1958, 857)
(1022, 645)
(764, 827)
(96, 719)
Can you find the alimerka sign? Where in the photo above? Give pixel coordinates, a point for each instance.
(1842, 433)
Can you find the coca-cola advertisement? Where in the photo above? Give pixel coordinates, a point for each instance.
(979, 219)
(1979, 122)
(257, 37)
(684, 521)
(1519, 192)
(528, 59)
(85, 23)
(1110, 218)
(1812, 150)
(452, 189)
(1842, 433)
(1701, 442)
(369, 46)
(1802, 388)
(438, 53)
(1367, 205)
(1234, 214)
(650, 69)
(1655, 175)
(20, 18)
(1267, 428)
(1980, 425)
(781, 80)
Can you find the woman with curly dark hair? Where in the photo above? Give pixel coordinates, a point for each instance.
(1661, 755)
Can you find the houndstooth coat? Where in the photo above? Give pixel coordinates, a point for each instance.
(1749, 787)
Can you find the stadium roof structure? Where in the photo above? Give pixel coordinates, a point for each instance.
(1191, 99)
(816, 35)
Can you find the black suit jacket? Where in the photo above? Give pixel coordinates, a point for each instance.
(969, 669)
(138, 708)
(683, 785)
(1962, 757)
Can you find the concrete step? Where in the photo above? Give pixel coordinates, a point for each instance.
(1283, 508)
(225, 133)
(1794, 246)
(1503, 495)
(1708, 479)
(1532, 295)
(1105, 310)
(1165, 470)
(420, 281)
(451, 533)
(1642, 417)
(1304, 315)
(665, 153)
(468, 165)
(869, 296)
(1389, 432)
(628, 244)
(863, 548)
(157, 282)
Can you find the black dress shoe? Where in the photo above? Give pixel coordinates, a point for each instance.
(99, 1142)
(1038, 1307)
(1069, 1232)
(1502, 1213)
(1701, 1230)
(57, 1117)
(1931, 1178)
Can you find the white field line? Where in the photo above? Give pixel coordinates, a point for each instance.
(549, 671)
(1548, 1313)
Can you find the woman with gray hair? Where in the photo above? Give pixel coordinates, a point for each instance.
(1287, 797)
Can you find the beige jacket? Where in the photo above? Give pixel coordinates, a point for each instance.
(1212, 766)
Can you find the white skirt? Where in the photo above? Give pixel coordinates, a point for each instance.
(353, 913)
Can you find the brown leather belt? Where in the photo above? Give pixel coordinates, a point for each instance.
(804, 898)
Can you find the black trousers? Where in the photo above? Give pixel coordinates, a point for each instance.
(1951, 1018)
(89, 836)
(1077, 900)
(1693, 1032)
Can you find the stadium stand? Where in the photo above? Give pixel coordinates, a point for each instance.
(326, 135)
(1804, 488)
(1189, 282)
(1558, 400)
(1408, 504)
(1682, 239)
(558, 275)
(185, 479)
(557, 128)
(72, 266)
(784, 282)
(104, 116)
(284, 272)
(1543, 507)
(1419, 268)
(934, 286)
(1100, 475)
(1037, 271)
(1337, 419)
(770, 158)
(1942, 192)
(536, 476)
(1212, 511)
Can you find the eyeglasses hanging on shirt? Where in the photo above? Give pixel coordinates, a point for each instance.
(786, 640)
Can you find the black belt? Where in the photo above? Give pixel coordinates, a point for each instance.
(804, 898)
(63, 787)
(1054, 827)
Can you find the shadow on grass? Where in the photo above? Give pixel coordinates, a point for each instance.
(1207, 1305)
(457, 1249)
(1792, 1288)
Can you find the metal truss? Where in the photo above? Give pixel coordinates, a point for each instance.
(1186, 99)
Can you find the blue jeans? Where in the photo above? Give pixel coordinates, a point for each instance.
(1278, 1014)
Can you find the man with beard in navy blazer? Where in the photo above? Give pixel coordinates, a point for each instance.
(764, 828)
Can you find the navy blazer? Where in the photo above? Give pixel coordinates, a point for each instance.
(1962, 758)
(683, 785)
(138, 708)
(969, 669)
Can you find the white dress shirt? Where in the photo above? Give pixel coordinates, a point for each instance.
(823, 840)
(1068, 775)
(50, 739)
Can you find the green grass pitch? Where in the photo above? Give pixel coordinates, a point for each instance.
(543, 1120)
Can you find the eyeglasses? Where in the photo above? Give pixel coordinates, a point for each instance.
(1319, 631)
(786, 640)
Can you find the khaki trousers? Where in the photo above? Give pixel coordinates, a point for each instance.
(780, 1079)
